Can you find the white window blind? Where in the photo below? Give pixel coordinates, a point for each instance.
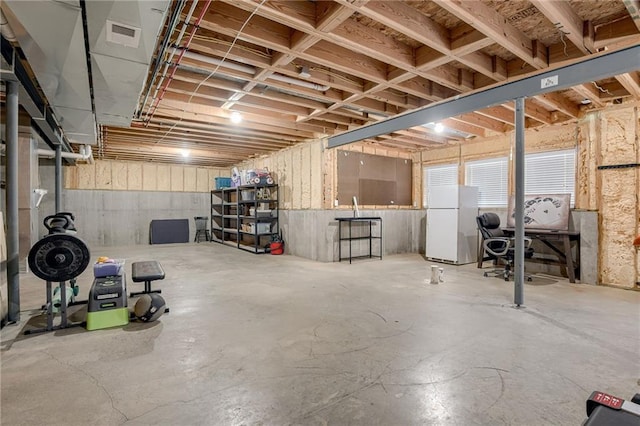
(491, 177)
(551, 172)
(446, 174)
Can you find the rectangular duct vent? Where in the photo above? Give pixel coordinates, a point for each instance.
(123, 34)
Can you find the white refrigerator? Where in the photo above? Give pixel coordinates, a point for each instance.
(452, 234)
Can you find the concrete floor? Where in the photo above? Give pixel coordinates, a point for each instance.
(278, 340)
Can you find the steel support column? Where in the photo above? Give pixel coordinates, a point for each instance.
(13, 228)
(518, 268)
(58, 179)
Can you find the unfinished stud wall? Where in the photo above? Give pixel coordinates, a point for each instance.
(114, 202)
(137, 176)
(601, 138)
(611, 138)
(298, 171)
(307, 183)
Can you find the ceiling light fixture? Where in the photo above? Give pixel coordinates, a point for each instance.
(439, 128)
(184, 152)
(235, 117)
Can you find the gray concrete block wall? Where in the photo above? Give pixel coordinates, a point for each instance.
(313, 234)
(113, 218)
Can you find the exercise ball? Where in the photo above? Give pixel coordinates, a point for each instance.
(149, 307)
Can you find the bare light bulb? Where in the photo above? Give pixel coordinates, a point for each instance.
(235, 117)
(439, 128)
(184, 152)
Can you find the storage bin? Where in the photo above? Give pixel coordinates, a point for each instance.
(112, 267)
(223, 182)
(263, 228)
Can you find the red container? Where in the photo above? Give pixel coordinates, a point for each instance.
(277, 248)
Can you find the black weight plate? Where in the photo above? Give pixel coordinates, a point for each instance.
(59, 257)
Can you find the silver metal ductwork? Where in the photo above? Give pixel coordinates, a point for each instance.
(121, 36)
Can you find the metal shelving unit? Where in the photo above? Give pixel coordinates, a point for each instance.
(245, 216)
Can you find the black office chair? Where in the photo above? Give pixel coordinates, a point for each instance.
(201, 228)
(499, 246)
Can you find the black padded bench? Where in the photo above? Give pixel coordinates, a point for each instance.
(146, 271)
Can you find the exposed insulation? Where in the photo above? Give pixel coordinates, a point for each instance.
(189, 179)
(330, 173)
(134, 176)
(202, 180)
(149, 177)
(118, 175)
(296, 181)
(103, 175)
(177, 178)
(305, 176)
(497, 145)
(163, 178)
(316, 175)
(435, 155)
(586, 184)
(416, 194)
(619, 198)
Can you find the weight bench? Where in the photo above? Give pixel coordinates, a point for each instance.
(146, 271)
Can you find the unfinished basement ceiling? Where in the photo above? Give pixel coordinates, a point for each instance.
(300, 70)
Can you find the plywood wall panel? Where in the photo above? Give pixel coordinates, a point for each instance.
(176, 174)
(103, 175)
(70, 177)
(384, 152)
(134, 176)
(202, 180)
(149, 177)
(119, 175)
(213, 174)
(369, 149)
(163, 177)
(87, 176)
(189, 179)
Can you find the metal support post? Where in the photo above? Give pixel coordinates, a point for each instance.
(58, 182)
(518, 269)
(13, 229)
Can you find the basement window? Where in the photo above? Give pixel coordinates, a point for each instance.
(492, 178)
(445, 174)
(552, 172)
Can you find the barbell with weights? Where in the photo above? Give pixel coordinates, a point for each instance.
(59, 256)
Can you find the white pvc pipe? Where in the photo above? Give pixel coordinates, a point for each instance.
(291, 80)
(85, 153)
(251, 70)
(5, 29)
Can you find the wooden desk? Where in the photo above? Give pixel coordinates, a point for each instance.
(559, 242)
(351, 238)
